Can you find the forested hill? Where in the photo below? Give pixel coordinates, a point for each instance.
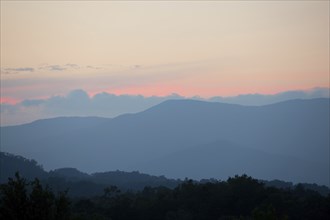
(83, 184)
(10, 163)
(78, 183)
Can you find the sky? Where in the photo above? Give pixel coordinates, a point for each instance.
(214, 48)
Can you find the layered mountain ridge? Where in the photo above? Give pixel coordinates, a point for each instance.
(185, 138)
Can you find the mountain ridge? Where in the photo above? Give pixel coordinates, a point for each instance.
(80, 184)
(294, 128)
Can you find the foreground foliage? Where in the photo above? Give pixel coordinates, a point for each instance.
(23, 200)
(240, 197)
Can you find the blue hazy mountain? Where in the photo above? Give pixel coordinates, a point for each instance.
(287, 140)
(46, 128)
(222, 159)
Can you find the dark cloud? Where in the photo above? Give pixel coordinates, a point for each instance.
(93, 67)
(54, 67)
(136, 66)
(78, 94)
(72, 65)
(60, 67)
(32, 102)
(261, 99)
(8, 109)
(79, 103)
(103, 104)
(16, 70)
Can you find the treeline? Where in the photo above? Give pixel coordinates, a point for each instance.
(79, 183)
(10, 163)
(88, 185)
(30, 200)
(240, 197)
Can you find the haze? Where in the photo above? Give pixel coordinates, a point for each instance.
(196, 89)
(159, 48)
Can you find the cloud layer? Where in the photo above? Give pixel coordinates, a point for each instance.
(16, 70)
(79, 103)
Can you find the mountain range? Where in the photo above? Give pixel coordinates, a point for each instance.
(82, 185)
(187, 138)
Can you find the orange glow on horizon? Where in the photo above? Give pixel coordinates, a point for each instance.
(9, 100)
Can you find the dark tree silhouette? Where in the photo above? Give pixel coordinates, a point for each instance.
(240, 197)
(14, 200)
(23, 200)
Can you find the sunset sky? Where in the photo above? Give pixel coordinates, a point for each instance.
(216, 48)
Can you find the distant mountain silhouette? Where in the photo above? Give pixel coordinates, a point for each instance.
(9, 164)
(78, 183)
(287, 140)
(222, 159)
(71, 174)
(81, 184)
